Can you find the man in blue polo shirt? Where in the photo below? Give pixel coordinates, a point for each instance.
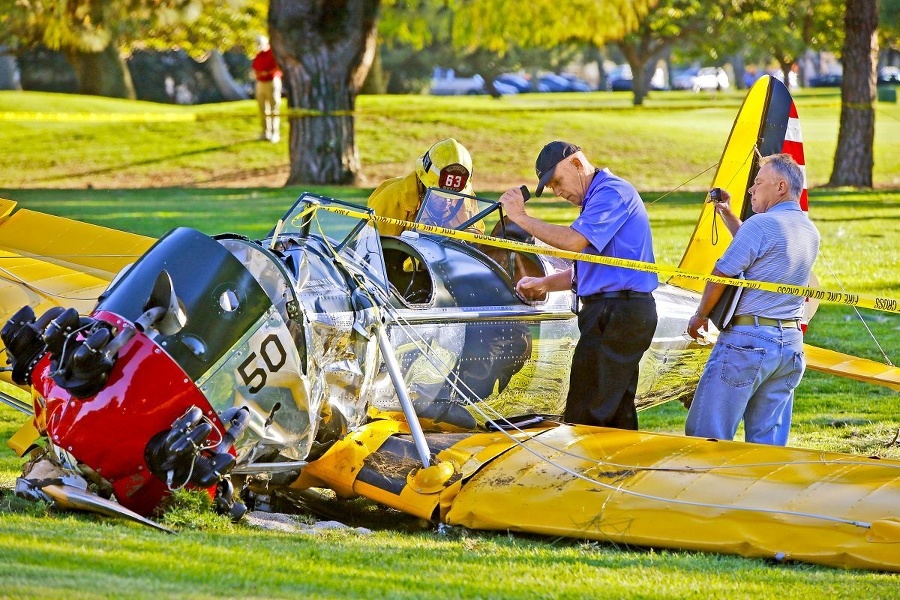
(617, 313)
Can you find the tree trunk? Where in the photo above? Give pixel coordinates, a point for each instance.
(786, 68)
(221, 76)
(854, 159)
(642, 53)
(639, 86)
(325, 50)
(737, 63)
(376, 80)
(102, 73)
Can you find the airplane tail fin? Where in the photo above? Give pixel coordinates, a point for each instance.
(767, 123)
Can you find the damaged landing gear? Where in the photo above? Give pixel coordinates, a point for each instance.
(46, 481)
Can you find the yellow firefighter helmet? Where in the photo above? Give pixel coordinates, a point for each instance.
(446, 165)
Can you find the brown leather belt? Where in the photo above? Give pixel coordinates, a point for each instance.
(751, 320)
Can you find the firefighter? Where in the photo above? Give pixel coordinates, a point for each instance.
(446, 165)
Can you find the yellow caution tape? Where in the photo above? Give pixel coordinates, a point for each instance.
(860, 300)
(99, 117)
(160, 117)
(309, 112)
(296, 112)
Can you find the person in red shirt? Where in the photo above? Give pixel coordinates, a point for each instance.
(268, 90)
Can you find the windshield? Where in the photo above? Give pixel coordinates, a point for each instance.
(304, 219)
(452, 210)
(353, 237)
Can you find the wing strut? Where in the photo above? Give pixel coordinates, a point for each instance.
(435, 473)
(415, 428)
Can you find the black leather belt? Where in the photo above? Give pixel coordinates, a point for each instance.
(623, 294)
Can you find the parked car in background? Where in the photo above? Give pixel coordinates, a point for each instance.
(826, 80)
(886, 76)
(710, 79)
(521, 84)
(620, 84)
(505, 89)
(620, 79)
(889, 76)
(550, 82)
(576, 84)
(703, 79)
(683, 79)
(446, 83)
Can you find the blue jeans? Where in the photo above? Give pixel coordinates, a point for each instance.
(751, 374)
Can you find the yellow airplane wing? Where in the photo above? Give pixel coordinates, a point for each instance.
(852, 367)
(752, 127)
(633, 487)
(48, 261)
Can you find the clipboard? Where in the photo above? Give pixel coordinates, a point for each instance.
(722, 313)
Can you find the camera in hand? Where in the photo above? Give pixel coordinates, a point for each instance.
(715, 195)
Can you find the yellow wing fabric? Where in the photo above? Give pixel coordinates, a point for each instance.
(852, 367)
(679, 492)
(634, 487)
(48, 261)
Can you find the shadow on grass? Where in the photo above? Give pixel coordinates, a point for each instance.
(151, 161)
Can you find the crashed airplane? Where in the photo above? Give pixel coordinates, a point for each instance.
(404, 369)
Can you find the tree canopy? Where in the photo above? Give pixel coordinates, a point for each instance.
(785, 31)
(492, 36)
(889, 23)
(93, 34)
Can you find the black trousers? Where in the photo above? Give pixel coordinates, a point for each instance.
(615, 333)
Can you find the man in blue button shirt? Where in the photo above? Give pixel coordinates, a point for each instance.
(617, 314)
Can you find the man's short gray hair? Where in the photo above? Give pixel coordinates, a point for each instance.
(787, 167)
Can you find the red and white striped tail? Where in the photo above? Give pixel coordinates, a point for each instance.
(793, 145)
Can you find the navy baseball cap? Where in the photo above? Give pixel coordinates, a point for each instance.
(551, 155)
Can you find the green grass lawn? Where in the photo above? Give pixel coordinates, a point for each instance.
(47, 166)
(669, 143)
